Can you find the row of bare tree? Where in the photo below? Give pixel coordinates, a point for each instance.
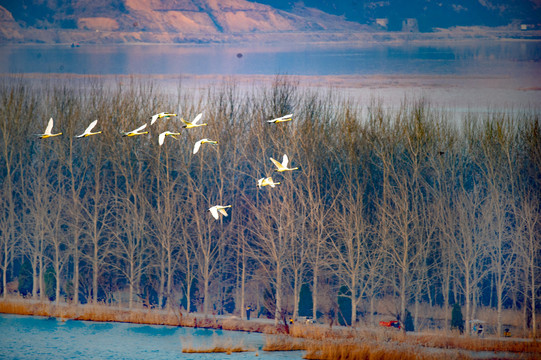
(409, 203)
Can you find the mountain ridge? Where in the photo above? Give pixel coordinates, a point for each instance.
(203, 21)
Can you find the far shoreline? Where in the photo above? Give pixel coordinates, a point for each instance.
(67, 37)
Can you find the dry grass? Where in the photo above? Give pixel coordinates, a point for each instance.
(283, 343)
(216, 349)
(365, 351)
(476, 344)
(218, 346)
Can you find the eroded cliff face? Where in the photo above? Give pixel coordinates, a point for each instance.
(158, 21)
(9, 28)
(204, 21)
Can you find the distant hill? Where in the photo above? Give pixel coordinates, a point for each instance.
(201, 21)
(430, 14)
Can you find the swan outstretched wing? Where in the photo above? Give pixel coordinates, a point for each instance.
(285, 160)
(222, 210)
(91, 126)
(197, 146)
(161, 138)
(277, 164)
(197, 118)
(49, 127)
(140, 128)
(214, 211)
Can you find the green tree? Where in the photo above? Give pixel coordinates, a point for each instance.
(50, 283)
(25, 278)
(305, 301)
(344, 306)
(457, 322)
(409, 322)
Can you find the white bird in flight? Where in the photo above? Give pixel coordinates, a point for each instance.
(284, 118)
(218, 208)
(136, 131)
(194, 122)
(202, 141)
(161, 137)
(267, 182)
(88, 131)
(159, 116)
(48, 131)
(283, 166)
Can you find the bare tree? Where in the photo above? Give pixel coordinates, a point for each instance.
(469, 244)
(17, 104)
(528, 248)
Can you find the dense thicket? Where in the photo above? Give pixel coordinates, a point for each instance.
(409, 203)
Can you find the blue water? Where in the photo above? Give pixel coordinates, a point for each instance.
(30, 337)
(516, 58)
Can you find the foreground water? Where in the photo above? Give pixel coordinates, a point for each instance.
(31, 337)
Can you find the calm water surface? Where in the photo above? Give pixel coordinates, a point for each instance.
(29, 337)
(518, 58)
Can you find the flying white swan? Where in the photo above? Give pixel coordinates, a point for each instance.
(159, 116)
(194, 122)
(267, 182)
(88, 131)
(161, 137)
(218, 208)
(136, 131)
(48, 133)
(281, 119)
(283, 166)
(202, 141)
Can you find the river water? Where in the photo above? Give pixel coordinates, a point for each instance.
(31, 337)
(465, 76)
(471, 58)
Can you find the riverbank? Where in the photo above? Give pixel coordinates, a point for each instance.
(318, 340)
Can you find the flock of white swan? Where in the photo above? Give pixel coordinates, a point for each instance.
(215, 210)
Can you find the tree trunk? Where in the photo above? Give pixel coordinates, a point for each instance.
(500, 307)
(169, 281)
(278, 311)
(206, 299)
(534, 321)
(446, 288)
(416, 311)
(131, 280)
(353, 302)
(95, 276)
(162, 283)
(41, 278)
(296, 294)
(76, 275)
(242, 287)
(188, 298)
(314, 293)
(468, 305)
(35, 278)
(403, 300)
(57, 274)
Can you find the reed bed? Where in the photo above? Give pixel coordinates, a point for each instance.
(218, 346)
(365, 351)
(283, 343)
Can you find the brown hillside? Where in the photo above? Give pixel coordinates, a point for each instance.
(162, 21)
